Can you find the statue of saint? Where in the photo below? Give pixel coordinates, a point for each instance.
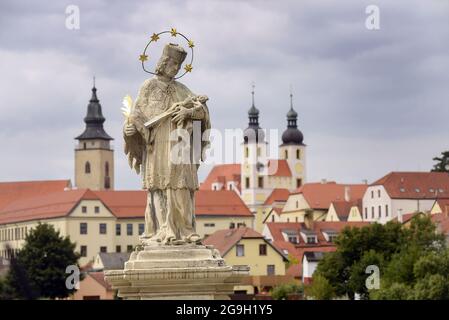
(170, 185)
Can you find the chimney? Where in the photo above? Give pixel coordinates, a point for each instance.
(365, 181)
(308, 219)
(347, 193)
(323, 181)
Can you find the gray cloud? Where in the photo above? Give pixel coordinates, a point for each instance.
(369, 101)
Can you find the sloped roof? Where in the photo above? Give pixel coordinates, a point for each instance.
(113, 260)
(52, 205)
(224, 240)
(343, 208)
(277, 195)
(99, 277)
(415, 185)
(223, 202)
(12, 191)
(320, 195)
(222, 173)
(124, 204)
(279, 168)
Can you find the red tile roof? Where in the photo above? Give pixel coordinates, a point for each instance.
(279, 168)
(222, 173)
(277, 195)
(99, 277)
(320, 195)
(343, 208)
(12, 191)
(224, 240)
(222, 202)
(415, 185)
(122, 204)
(52, 205)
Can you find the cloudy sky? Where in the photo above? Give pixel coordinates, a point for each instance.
(369, 101)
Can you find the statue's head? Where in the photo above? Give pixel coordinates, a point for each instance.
(171, 60)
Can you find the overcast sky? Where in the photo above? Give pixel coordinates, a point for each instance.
(369, 101)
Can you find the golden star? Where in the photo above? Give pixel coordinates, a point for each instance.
(191, 45)
(143, 57)
(154, 37)
(173, 32)
(188, 68)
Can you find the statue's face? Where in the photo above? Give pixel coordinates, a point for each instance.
(171, 68)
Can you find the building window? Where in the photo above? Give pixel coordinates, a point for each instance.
(260, 182)
(232, 225)
(84, 209)
(332, 237)
(311, 239)
(87, 167)
(286, 154)
(258, 151)
(380, 211)
(83, 228)
(247, 183)
(262, 249)
(102, 228)
(240, 250)
(298, 183)
(372, 212)
(298, 154)
(83, 251)
(378, 193)
(293, 239)
(118, 229)
(106, 169)
(272, 217)
(270, 270)
(103, 249)
(241, 225)
(141, 228)
(97, 209)
(366, 213)
(210, 225)
(372, 194)
(246, 152)
(386, 210)
(118, 248)
(129, 248)
(129, 229)
(297, 204)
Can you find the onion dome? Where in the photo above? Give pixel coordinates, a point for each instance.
(254, 132)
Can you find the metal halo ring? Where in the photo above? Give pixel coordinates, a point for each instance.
(158, 34)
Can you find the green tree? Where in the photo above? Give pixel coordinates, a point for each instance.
(320, 289)
(442, 164)
(397, 291)
(39, 269)
(282, 291)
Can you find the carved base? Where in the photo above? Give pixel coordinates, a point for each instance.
(176, 272)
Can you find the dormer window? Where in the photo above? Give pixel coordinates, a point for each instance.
(417, 190)
(311, 239)
(402, 189)
(293, 239)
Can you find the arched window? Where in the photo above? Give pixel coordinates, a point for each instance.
(87, 167)
(286, 154)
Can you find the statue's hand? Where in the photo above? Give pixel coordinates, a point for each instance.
(130, 130)
(181, 114)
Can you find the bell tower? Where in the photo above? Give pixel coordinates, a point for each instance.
(94, 157)
(293, 148)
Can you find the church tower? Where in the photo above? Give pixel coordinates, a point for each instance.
(254, 163)
(293, 149)
(94, 157)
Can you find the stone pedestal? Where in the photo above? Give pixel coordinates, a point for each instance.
(176, 272)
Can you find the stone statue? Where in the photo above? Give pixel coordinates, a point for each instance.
(169, 214)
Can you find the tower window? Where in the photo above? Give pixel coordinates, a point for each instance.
(84, 145)
(246, 152)
(286, 154)
(258, 151)
(247, 182)
(298, 183)
(106, 169)
(260, 182)
(298, 154)
(87, 167)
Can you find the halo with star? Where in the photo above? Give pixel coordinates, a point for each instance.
(155, 37)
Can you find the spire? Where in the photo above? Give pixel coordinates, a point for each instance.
(94, 119)
(292, 135)
(253, 129)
